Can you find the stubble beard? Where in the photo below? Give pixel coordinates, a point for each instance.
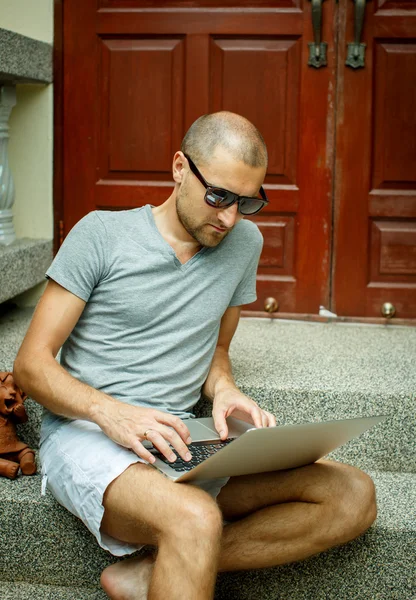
(200, 233)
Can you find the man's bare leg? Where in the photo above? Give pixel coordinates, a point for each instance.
(289, 515)
(284, 517)
(184, 522)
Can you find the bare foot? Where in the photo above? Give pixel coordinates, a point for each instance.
(128, 579)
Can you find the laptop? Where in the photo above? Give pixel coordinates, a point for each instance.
(250, 450)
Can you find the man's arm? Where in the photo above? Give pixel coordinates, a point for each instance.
(37, 372)
(220, 386)
(220, 375)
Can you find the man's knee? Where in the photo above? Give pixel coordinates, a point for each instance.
(141, 506)
(353, 503)
(365, 499)
(197, 514)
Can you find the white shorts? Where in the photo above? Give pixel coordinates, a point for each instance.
(78, 462)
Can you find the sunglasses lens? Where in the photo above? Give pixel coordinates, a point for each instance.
(218, 197)
(250, 206)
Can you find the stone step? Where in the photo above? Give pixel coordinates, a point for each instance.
(24, 60)
(22, 265)
(388, 446)
(28, 591)
(305, 372)
(43, 544)
(320, 371)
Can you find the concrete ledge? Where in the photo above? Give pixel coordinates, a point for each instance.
(45, 544)
(27, 591)
(319, 371)
(305, 372)
(389, 446)
(22, 265)
(301, 372)
(24, 60)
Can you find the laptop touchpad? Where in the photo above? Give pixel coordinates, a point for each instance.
(199, 432)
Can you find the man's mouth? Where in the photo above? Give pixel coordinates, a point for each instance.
(218, 228)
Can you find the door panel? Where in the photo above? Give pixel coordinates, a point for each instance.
(139, 72)
(375, 214)
(266, 73)
(394, 117)
(140, 126)
(143, 127)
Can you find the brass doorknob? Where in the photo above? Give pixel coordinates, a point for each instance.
(271, 305)
(388, 310)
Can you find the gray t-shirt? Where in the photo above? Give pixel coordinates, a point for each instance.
(148, 332)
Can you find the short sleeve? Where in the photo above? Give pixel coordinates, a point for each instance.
(246, 289)
(81, 260)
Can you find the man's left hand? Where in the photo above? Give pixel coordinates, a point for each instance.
(230, 401)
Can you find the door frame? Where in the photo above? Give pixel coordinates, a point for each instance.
(58, 124)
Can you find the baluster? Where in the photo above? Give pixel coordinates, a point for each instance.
(7, 102)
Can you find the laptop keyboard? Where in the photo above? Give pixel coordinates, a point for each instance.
(200, 451)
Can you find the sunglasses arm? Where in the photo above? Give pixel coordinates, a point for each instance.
(263, 195)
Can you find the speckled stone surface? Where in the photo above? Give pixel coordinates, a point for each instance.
(14, 323)
(325, 357)
(352, 572)
(58, 550)
(320, 371)
(26, 591)
(22, 265)
(300, 371)
(43, 542)
(306, 372)
(23, 59)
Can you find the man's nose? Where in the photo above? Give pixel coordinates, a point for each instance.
(228, 216)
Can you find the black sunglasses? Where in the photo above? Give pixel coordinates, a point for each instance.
(220, 198)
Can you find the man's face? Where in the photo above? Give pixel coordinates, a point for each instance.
(208, 225)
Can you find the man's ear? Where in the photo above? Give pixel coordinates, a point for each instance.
(178, 167)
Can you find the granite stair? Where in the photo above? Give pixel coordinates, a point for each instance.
(300, 372)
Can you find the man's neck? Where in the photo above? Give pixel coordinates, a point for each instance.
(172, 230)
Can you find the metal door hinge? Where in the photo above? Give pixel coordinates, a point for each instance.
(317, 49)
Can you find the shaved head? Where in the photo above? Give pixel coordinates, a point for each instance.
(231, 131)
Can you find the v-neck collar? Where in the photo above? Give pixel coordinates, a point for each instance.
(166, 248)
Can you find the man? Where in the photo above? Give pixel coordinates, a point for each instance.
(145, 304)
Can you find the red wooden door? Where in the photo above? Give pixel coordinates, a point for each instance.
(375, 188)
(137, 73)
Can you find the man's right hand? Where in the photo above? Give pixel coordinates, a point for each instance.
(126, 425)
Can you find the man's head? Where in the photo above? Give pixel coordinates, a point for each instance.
(230, 153)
